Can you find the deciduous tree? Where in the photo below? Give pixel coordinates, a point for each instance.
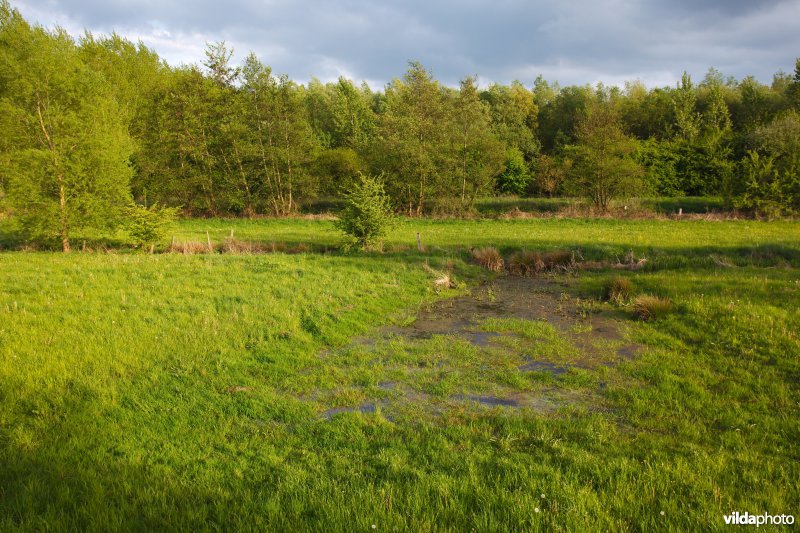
(603, 168)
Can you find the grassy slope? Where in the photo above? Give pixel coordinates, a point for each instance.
(185, 392)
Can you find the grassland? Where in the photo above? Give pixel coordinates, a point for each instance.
(277, 391)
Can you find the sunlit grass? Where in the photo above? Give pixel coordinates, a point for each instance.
(190, 392)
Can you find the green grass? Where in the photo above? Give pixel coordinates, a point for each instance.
(190, 392)
(746, 240)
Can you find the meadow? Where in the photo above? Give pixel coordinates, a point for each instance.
(320, 390)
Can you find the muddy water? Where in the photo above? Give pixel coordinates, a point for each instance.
(510, 297)
(537, 299)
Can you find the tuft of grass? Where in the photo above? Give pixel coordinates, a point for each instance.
(558, 260)
(444, 279)
(619, 290)
(489, 258)
(649, 307)
(531, 262)
(189, 248)
(232, 245)
(631, 262)
(526, 263)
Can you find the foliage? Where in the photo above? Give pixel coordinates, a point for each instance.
(659, 160)
(367, 214)
(771, 171)
(147, 226)
(232, 138)
(479, 154)
(413, 141)
(514, 117)
(67, 153)
(604, 168)
(770, 190)
(516, 177)
(550, 174)
(337, 168)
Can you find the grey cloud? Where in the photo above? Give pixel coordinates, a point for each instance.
(580, 41)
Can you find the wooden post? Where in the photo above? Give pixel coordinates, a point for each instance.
(419, 243)
(680, 211)
(208, 240)
(172, 246)
(83, 249)
(152, 248)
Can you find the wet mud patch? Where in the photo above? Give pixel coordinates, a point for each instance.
(543, 366)
(366, 408)
(530, 341)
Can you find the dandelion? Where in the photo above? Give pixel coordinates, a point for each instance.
(542, 495)
(662, 513)
(374, 526)
(536, 510)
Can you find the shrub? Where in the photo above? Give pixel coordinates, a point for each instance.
(648, 307)
(771, 172)
(367, 214)
(771, 190)
(619, 290)
(489, 258)
(148, 225)
(516, 176)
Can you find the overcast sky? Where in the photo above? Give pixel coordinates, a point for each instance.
(572, 41)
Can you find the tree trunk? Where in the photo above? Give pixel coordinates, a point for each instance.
(62, 192)
(62, 207)
(421, 199)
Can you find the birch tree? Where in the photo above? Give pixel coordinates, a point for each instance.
(68, 152)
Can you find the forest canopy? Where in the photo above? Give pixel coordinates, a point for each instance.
(95, 124)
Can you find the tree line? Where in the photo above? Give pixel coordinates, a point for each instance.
(94, 125)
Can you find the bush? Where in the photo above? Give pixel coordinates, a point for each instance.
(619, 290)
(148, 225)
(648, 307)
(516, 177)
(339, 165)
(771, 191)
(367, 214)
(771, 173)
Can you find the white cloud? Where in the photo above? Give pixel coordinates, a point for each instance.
(576, 42)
